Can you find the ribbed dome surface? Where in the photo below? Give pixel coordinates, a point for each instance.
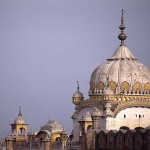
(122, 52)
(121, 72)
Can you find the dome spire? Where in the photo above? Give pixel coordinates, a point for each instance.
(122, 36)
(20, 111)
(78, 87)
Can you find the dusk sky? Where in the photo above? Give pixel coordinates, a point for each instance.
(46, 46)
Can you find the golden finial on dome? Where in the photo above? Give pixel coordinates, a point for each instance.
(122, 36)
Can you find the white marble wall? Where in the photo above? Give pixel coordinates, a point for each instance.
(130, 117)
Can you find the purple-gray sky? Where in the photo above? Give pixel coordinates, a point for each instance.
(47, 45)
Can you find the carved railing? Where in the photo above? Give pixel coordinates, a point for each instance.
(74, 145)
(57, 146)
(27, 146)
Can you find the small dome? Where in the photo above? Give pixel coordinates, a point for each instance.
(77, 98)
(52, 126)
(32, 133)
(19, 120)
(78, 94)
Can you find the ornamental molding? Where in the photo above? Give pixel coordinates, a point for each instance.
(119, 98)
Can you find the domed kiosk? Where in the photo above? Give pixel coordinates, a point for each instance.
(51, 131)
(19, 128)
(119, 92)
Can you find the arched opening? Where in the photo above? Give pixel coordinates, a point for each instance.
(125, 128)
(58, 139)
(89, 127)
(125, 87)
(138, 128)
(112, 86)
(137, 87)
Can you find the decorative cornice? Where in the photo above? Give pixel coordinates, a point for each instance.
(119, 98)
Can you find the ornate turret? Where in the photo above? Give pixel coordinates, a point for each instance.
(19, 128)
(77, 98)
(19, 119)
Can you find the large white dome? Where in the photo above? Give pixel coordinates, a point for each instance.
(122, 73)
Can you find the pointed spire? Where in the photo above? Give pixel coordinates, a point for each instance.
(20, 111)
(78, 87)
(122, 36)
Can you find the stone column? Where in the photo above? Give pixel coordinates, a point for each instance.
(39, 145)
(47, 143)
(83, 141)
(90, 140)
(95, 120)
(10, 143)
(91, 134)
(63, 137)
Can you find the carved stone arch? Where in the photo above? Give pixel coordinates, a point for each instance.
(137, 86)
(96, 105)
(129, 104)
(147, 87)
(125, 87)
(41, 135)
(88, 103)
(89, 127)
(112, 85)
(58, 139)
(84, 107)
(101, 85)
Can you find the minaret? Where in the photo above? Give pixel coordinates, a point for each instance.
(19, 128)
